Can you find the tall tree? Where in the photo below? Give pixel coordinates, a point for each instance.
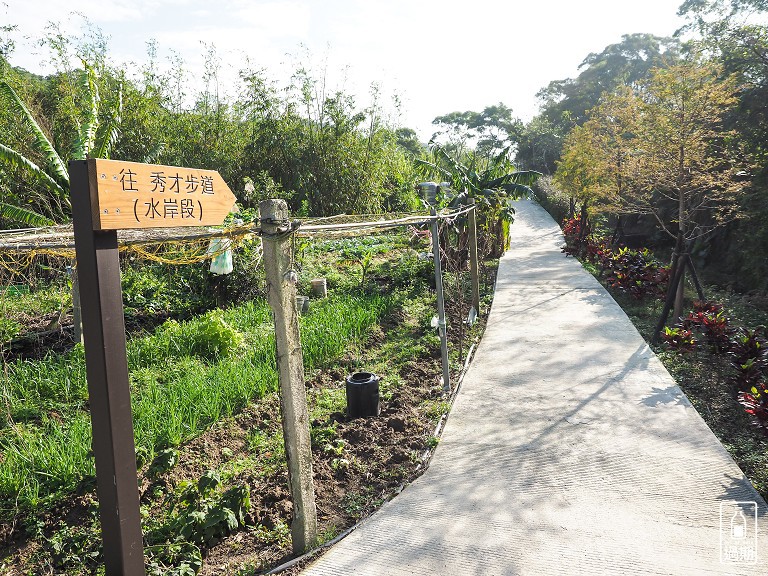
(566, 103)
(668, 143)
(539, 144)
(598, 162)
(623, 63)
(489, 132)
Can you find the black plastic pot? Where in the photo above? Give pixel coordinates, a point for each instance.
(363, 395)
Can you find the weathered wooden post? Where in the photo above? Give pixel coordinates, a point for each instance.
(281, 294)
(473, 259)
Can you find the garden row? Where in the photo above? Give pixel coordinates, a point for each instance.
(204, 395)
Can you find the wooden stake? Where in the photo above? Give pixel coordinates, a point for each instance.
(281, 294)
(473, 259)
(98, 268)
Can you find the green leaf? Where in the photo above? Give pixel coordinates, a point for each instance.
(153, 155)
(24, 216)
(88, 128)
(208, 481)
(111, 131)
(12, 158)
(54, 163)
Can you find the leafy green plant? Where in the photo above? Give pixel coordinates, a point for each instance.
(184, 378)
(199, 515)
(173, 559)
(711, 320)
(678, 338)
(163, 462)
(48, 199)
(492, 181)
(209, 337)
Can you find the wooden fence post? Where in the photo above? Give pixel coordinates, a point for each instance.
(281, 294)
(473, 259)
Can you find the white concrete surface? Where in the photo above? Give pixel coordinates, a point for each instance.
(569, 450)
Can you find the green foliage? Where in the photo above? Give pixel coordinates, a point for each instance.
(163, 462)
(325, 155)
(679, 338)
(315, 147)
(164, 290)
(184, 377)
(73, 546)
(565, 103)
(208, 337)
(539, 144)
(491, 182)
(492, 130)
(199, 514)
(46, 197)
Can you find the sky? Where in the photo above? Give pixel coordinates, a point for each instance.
(434, 56)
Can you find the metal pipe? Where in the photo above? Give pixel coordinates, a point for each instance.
(441, 326)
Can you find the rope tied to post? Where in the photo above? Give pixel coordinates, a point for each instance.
(283, 227)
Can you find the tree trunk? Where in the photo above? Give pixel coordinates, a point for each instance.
(583, 228)
(680, 294)
(618, 232)
(695, 277)
(674, 281)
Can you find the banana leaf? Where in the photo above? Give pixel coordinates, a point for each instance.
(14, 159)
(54, 163)
(111, 131)
(24, 216)
(90, 124)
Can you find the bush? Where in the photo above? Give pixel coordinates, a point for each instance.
(634, 272)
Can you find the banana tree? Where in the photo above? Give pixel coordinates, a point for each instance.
(492, 182)
(46, 200)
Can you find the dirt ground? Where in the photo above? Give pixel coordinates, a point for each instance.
(364, 462)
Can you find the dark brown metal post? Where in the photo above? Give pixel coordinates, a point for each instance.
(98, 268)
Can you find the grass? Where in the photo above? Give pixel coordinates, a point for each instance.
(188, 377)
(184, 377)
(18, 304)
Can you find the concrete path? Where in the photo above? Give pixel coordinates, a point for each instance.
(570, 450)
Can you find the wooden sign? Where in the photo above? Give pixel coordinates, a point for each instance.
(134, 195)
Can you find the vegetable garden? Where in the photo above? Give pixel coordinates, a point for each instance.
(201, 354)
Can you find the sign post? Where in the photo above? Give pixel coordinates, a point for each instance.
(108, 195)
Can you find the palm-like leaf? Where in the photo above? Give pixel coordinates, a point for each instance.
(90, 124)
(154, 154)
(24, 216)
(111, 130)
(54, 164)
(14, 159)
